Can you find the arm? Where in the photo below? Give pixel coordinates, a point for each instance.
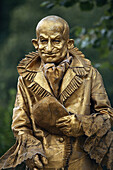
(97, 127)
(99, 97)
(27, 147)
(21, 123)
(72, 125)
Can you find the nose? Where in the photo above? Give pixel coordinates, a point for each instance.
(49, 46)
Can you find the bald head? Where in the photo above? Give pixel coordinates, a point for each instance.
(53, 23)
(52, 40)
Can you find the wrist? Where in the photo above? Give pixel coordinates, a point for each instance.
(76, 127)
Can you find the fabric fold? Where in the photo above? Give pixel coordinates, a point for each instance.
(54, 74)
(99, 141)
(25, 148)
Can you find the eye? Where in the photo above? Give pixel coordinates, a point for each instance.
(44, 41)
(57, 41)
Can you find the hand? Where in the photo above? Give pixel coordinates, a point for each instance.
(70, 125)
(39, 161)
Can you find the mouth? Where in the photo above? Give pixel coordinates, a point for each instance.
(50, 55)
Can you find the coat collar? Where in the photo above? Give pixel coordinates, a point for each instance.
(30, 69)
(73, 78)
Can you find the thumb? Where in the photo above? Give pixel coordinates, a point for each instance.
(44, 160)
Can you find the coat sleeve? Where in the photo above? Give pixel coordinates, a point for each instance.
(99, 97)
(26, 145)
(21, 115)
(97, 126)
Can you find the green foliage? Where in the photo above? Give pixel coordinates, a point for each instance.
(91, 26)
(101, 30)
(5, 122)
(86, 5)
(95, 40)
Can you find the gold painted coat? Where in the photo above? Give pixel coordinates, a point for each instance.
(82, 93)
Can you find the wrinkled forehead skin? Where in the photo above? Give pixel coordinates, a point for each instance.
(51, 24)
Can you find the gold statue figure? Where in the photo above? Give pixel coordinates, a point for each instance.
(62, 116)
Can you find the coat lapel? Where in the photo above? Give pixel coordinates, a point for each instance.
(40, 86)
(74, 76)
(67, 79)
(41, 80)
(70, 74)
(30, 70)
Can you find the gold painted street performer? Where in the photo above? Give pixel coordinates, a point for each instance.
(62, 117)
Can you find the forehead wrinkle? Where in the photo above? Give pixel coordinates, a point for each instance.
(56, 35)
(43, 36)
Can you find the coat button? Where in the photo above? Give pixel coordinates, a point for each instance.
(61, 139)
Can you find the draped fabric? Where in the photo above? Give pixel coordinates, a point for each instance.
(82, 93)
(54, 74)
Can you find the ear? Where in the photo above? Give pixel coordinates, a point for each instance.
(70, 44)
(35, 43)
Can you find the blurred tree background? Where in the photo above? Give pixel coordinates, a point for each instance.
(91, 25)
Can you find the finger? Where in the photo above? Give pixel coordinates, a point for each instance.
(44, 160)
(64, 129)
(60, 125)
(35, 168)
(38, 162)
(63, 119)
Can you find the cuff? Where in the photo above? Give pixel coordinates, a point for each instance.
(25, 148)
(99, 141)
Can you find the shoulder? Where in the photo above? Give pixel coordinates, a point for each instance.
(79, 58)
(80, 64)
(27, 68)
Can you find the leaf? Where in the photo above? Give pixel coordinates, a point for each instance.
(97, 65)
(51, 5)
(45, 3)
(103, 32)
(79, 31)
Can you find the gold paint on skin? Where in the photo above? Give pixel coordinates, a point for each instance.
(69, 130)
(52, 40)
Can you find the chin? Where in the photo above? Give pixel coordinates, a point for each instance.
(51, 60)
(56, 59)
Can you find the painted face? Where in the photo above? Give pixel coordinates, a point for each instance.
(52, 46)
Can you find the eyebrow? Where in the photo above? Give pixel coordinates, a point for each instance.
(52, 36)
(57, 36)
(43, 37)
